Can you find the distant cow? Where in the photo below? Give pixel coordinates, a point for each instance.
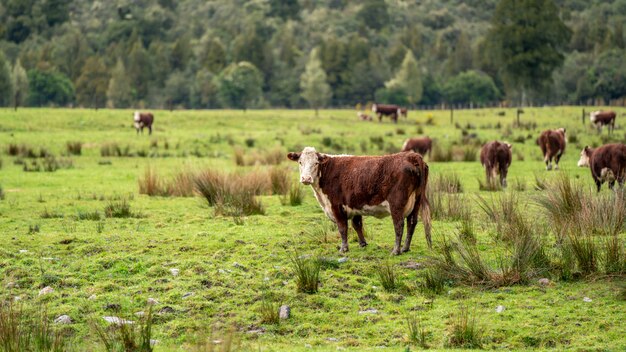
(496, 158)
(418, 145)
(552, 144)
(348, 187)
(602, 118)
(392, 111)
(363, 117)
(143, 119)
(607, 163)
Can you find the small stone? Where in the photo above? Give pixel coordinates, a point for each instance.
(284, 312)
(587, 299)
(92, 297)
(151, 301)
(369, 311)
(118, 321)
(342, 260)
(46, 290)
(187, 295)
(174, 271)
(500, 309)
(63, 319)
(544, 282)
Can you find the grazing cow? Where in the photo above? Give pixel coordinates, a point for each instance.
(348, 187)
(601, 118)
(143, 119)
(552, 144)
(496, 158)
(363, 117)
(607, 163)
(418, 145)
(388, 110)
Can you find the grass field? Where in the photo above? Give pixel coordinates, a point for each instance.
(54, 232)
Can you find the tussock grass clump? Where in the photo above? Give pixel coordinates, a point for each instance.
(440, 154)
(74, 148)
(446, 182)
(386, 273)
(28, 331)
(232, 195)
(464, 330)
(126, 336)
(307, 273)
(416, 333)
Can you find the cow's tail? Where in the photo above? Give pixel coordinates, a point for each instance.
(422, 202)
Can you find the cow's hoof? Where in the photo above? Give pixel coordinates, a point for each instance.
(395, 251)
(363, 244)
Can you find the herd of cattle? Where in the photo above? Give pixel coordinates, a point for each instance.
(348, 187)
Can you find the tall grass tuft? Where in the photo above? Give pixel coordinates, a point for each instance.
(464, 330)
(307, 273)
(415, 331)
(124, 336)
(386, 273)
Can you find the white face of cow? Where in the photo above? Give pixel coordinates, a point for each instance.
(309, 161)
(584, 157)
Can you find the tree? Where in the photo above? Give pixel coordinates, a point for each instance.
(6, 89)
(315, 89)
(240, 85)
(528, 38)
(19, 81)
(408, 78)
(119, 92)
(92, 84)
(48, 87)
(470, 87)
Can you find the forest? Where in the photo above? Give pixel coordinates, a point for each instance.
(239, 54)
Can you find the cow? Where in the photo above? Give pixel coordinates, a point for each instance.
(552, 144)
(143, 119)
(363, 117)
(496, 158)
(349, 187)
(419, 145)
(392, 111)
(607, 163)
(601, 118)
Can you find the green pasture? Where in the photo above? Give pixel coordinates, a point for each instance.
(228, 266)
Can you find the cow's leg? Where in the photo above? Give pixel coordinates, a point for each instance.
(398, 225)
(357, 224)
(342, 226)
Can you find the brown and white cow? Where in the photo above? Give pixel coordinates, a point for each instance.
(348, 187)
(602, 118)
(363, 117)
(552, 144)
(496, 158)
(388, 110)
(143, 119)
(607, 163)
(419, 145)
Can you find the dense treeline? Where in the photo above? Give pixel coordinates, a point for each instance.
(300, 53)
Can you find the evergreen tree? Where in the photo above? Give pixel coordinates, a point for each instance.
(19, 81)
(315, 89)
(528, 38)
(408, 78)
(6, 89)
(119, 92)
(92, 84)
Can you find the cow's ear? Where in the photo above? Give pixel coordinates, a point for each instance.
(293, 156)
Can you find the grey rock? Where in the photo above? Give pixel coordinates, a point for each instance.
(284, 312)
(63, 319)
(46, 290)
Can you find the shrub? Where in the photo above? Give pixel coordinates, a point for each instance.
(127, 336)
(74, 148)
(386, 273)
(464, 330)
(307, 273)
